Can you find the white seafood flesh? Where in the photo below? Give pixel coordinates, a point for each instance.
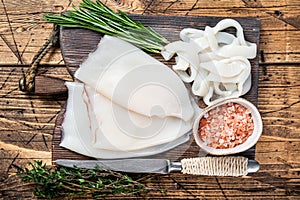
(78, 137)
(126, 104)
(134, 80)
(216, 63)
(118, 129)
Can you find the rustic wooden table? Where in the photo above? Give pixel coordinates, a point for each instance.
(27, 121)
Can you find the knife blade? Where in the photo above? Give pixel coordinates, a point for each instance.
(125, 165)
(198, 166)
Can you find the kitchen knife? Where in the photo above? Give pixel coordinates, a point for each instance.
(212, 166)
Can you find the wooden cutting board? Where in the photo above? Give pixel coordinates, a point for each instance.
(76, 44)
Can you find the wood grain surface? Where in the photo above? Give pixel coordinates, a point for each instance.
(76, 44)
(27, 121)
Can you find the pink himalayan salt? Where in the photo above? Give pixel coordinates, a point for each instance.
(226, 126)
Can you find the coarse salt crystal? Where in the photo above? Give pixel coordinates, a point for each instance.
(226, 126)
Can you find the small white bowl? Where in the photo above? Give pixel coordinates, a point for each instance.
(251, 140)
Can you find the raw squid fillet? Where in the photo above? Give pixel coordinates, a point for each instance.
(134, 80)
(126, 104)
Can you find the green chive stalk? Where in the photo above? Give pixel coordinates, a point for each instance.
(98, 17)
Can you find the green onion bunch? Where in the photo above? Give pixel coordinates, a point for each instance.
(98, 17)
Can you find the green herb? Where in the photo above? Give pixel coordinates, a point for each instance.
(98, 17)
(52, 182)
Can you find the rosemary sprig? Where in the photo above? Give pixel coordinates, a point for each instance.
(98, 17)
(52, 182)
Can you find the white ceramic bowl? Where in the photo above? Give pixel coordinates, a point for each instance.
(251, 140)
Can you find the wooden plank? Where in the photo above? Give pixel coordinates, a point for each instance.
(277, 150)
(138, 6)
(274, 79)
(281, 129)
(76, 44)
(178, 190)
(177, 187)
(276, 18)
(277, 46)
(31, 31)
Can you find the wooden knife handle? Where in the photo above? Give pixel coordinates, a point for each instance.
(45, 85)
